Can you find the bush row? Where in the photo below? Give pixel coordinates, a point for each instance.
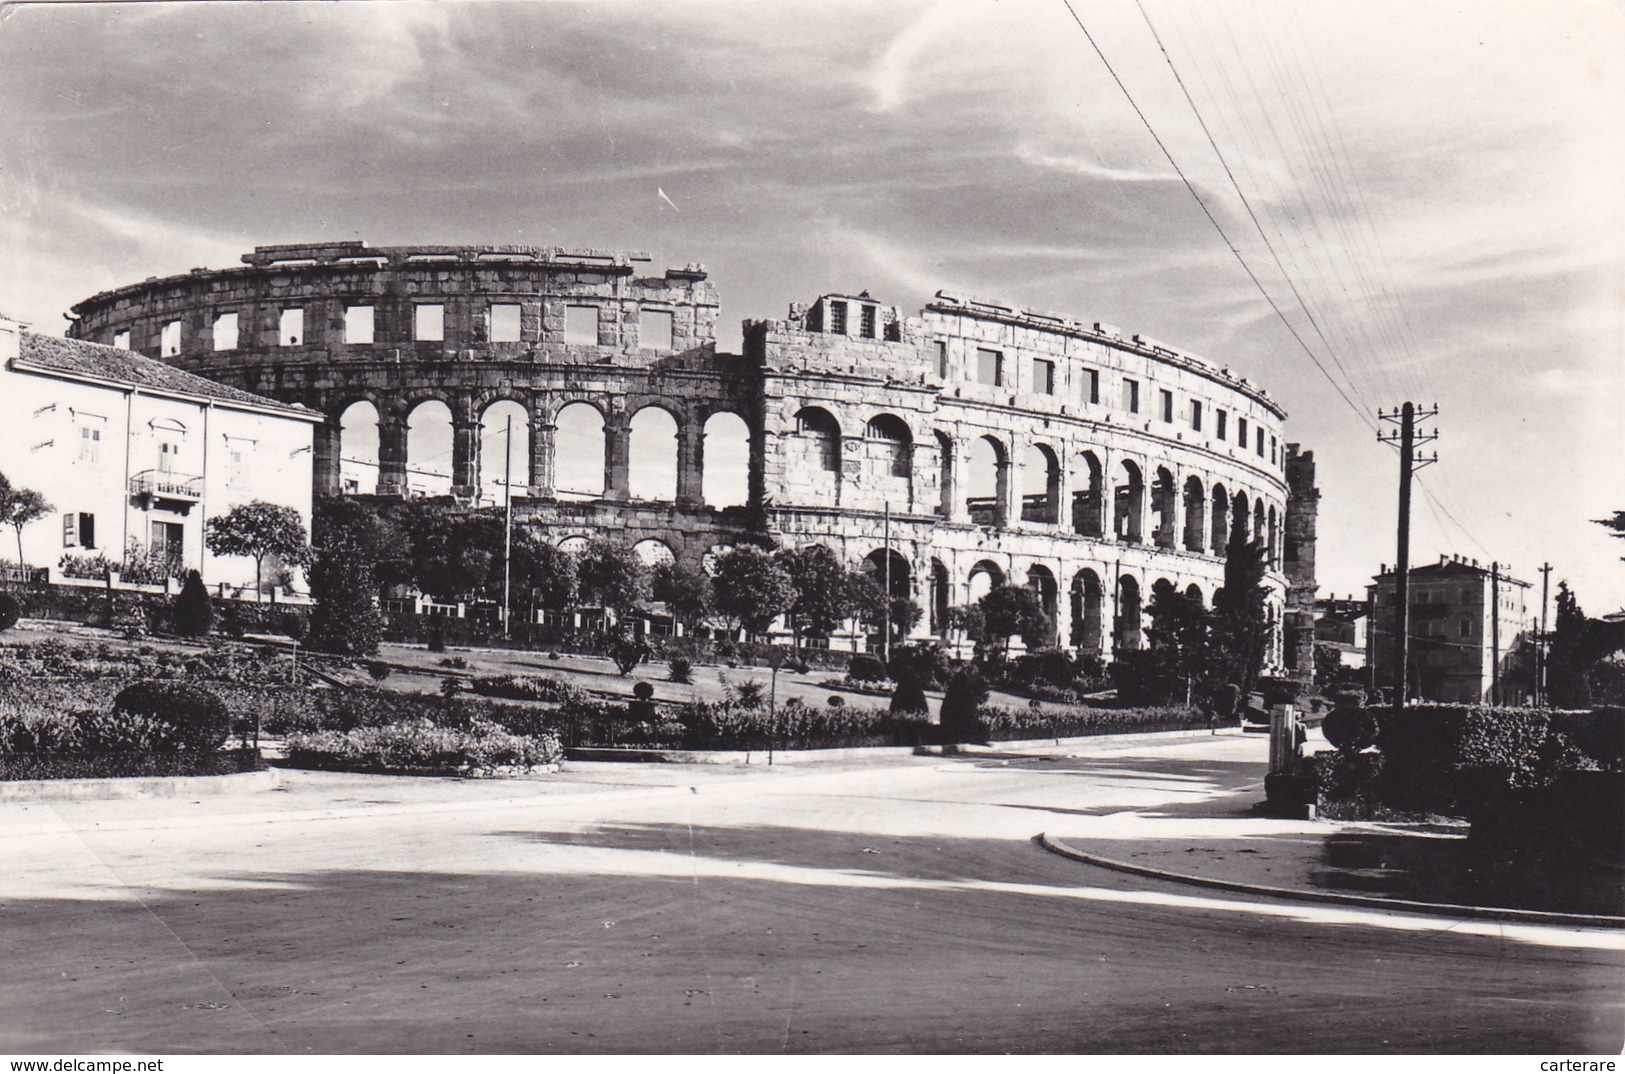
(127, 763)
(419, 745)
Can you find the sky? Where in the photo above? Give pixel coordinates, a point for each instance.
(1365, 203)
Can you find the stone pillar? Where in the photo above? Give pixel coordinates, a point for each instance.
(392, 455)
(691, 463)
(1004, 491)
(465, 457)
(541, 456)
(328, 444)
(617, 458)
(1063, 496)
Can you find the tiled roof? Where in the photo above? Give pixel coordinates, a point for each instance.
(82, 358)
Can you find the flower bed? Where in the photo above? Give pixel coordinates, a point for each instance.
(418, 746)
(858, 686)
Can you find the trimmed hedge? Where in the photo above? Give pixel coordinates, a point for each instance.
(127, 764)
(1007, 724)
(528, 688)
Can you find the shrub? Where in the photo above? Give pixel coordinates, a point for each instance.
(1052, 667)
(194, 612)
(9, 611)
(751, 694)
(1345, 784)
(128, 763)
(680, 670)
(927, 663)
(866, 668)
(198, 717)
(128, 732)
(35, 730)
(1066, 721)
(909, 697)
(1350, 727)
(961, 707)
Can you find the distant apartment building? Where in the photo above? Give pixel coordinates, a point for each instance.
(1341, 624)
(1472, 631)
(133, 453)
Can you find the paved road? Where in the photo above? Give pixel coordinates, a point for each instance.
(899, 907)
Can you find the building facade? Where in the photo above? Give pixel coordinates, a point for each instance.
(971, 444)
(1472, 632)
(134, 454)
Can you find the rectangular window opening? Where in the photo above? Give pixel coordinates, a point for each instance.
(1043, 376)
(581, 325)
(90, 444)
(1196, 415)
(1131, 396)
(989, 366)
(429, 322)
(1220, 429)
(225, 332)
(291, 328)
(358, 324)
(654, 330)
(1092, 384)
(169, 339)
(504, 327)
(1259, 438)
(121, 340)
(942, 360)
(866, 322)
(1167, 405)
(837, 318)
(1241, 435)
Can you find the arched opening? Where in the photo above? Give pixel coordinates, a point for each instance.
(945, 463)
(1127, 635)
(725, 477)
(708, 562)
(1193, 592)
(574, 546)
(653, 552)
(1088, 603)
(1040, 484)
(1259, 523)
(816, 447)
(504, 458)
(428, 449)
(1042, 582)
(985, 577)
(1089, 499)
(985, 488)
(1240, 521)
(578, 467)
(1195, 516)
(902, 587)
(358, 449)
(652, 455)
(1163, 508)
(940, 598)
(1129, 496)
(891, 446)
(1221, 520)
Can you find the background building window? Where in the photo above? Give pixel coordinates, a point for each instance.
(1220, 426)
(121, 340)
(78, 529)
(1241, 435)
(90, 443)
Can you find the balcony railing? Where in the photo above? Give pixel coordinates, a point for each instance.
(160, 484)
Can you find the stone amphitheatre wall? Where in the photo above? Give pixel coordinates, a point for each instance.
(978, 441)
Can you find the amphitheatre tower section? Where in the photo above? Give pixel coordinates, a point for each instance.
(981, 443)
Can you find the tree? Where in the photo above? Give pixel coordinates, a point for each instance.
(908, 697)
(259, 529)
(823, 598)
(1178, 637)
(752, 588)
(968, 620)
(683, 589)
(542, 572)
(873, 608)
(962, 702)
(194, 612)
(451, 554)
(1014, 609)
(1578, 645)
(1240, 623)
(349, 539)
(611, 575)
(19, 507)
(1616, 524)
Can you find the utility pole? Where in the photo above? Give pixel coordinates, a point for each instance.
(1407, 438)
(1540, 640)
(1495, 632)
(507, 532)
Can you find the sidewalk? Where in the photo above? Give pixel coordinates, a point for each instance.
(1216, 839)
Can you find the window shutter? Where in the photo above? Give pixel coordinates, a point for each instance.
(70, 529)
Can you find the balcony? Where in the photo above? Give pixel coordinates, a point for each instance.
(160, 485)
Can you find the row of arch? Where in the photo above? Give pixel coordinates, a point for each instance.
(1190, 515)
(579, 454)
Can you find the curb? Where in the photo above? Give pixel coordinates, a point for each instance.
(1534, 917)
(87, 790)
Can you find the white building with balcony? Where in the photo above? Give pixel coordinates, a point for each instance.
(135, 454)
